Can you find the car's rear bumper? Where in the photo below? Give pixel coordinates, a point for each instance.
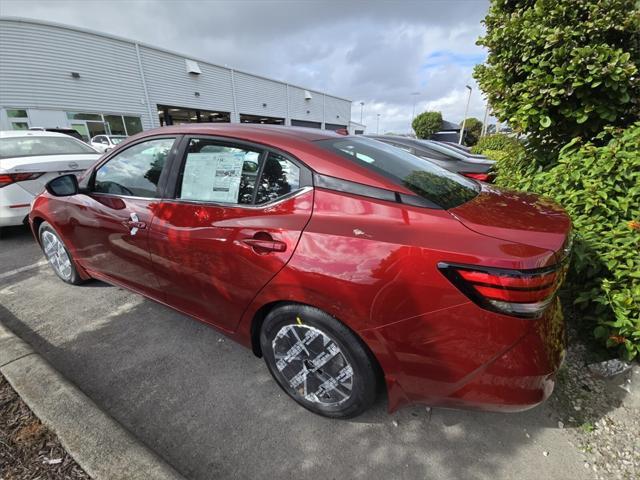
(492, 362)
(15, 203)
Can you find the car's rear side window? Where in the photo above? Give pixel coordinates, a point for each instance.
(437, 185)
(219, 172)
(234, 173)
(279, 177)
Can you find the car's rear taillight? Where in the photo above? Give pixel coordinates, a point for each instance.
(522, 293)
(483, 177)
(9, 178)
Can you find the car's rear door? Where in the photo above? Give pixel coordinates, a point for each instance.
(111, 222)
(235, 219)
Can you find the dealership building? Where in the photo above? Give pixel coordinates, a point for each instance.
(56, 76)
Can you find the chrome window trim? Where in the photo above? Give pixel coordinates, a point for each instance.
(115, 195)
(278, 200)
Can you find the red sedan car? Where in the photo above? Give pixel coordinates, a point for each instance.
(348, 264)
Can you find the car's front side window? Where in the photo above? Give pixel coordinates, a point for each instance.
(135, 171)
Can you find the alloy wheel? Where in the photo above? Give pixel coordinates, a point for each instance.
(313, 365)
(57, 255)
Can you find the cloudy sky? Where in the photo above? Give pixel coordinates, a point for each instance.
(376, 52)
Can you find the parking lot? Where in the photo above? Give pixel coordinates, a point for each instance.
(211, 409)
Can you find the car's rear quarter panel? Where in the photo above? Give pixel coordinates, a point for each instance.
(373, 265)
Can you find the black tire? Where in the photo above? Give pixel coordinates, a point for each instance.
(321, 397)
(69, 275)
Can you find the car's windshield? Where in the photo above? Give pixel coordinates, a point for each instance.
(117, 140)
(440, 186)
(40, 145)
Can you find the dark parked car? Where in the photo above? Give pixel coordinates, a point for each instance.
(455, 161)
(457, 150)
(348, 264)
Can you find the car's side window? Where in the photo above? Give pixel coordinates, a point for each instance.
(135, 171)
(220, 172)
(280, 177)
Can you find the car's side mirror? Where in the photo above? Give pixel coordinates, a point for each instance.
(63, 186)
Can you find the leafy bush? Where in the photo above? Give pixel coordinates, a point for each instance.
(560, 69)
(497, 141)
(472, 130)
(426, 124)
(599, 186)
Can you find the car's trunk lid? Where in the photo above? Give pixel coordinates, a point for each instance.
(51, 165)
(516, 216)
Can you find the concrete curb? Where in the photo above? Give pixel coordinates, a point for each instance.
(100, 445)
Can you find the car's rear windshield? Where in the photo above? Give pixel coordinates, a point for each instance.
(440, 186)
(456, 146)
(117, 140)
(40, 145)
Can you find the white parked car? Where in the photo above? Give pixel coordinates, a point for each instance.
(104, 143)
(28, 160)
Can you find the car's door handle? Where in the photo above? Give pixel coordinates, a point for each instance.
(134, 224)
(264, 246)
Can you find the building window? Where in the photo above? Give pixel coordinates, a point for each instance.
(19, 119)
(17, 114)
(98, 123)
(305, 123)
(334, 126)
(84, 116)
(261, 119)
(116, 125)
(169, 115)
(133, 124)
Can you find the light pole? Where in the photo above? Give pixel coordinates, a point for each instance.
(484, 124)
(361, 110)
(466, 110)
(378, 124)
(413, 110)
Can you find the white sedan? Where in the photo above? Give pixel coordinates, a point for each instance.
(28, 160)
(104, 143)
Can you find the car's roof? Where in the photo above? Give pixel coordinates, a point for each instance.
(244, 129)
(300, 142)
(30, 133)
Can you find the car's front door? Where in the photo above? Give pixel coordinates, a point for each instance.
(235, 221)
(112, 221)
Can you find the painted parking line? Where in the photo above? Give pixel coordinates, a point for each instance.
(10, 273)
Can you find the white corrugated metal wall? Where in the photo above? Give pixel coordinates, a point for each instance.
(36, 62)
(307, 110)
(170, 84)
(37, 58)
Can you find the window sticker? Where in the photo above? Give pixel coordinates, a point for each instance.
(213, 177)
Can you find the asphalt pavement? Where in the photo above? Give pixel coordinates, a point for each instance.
(211, 410)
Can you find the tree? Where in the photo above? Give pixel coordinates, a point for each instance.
(559, 69)
(472, 130)
(426, 124)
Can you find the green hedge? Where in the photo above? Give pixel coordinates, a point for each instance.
(599, 186)
(497, 141)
